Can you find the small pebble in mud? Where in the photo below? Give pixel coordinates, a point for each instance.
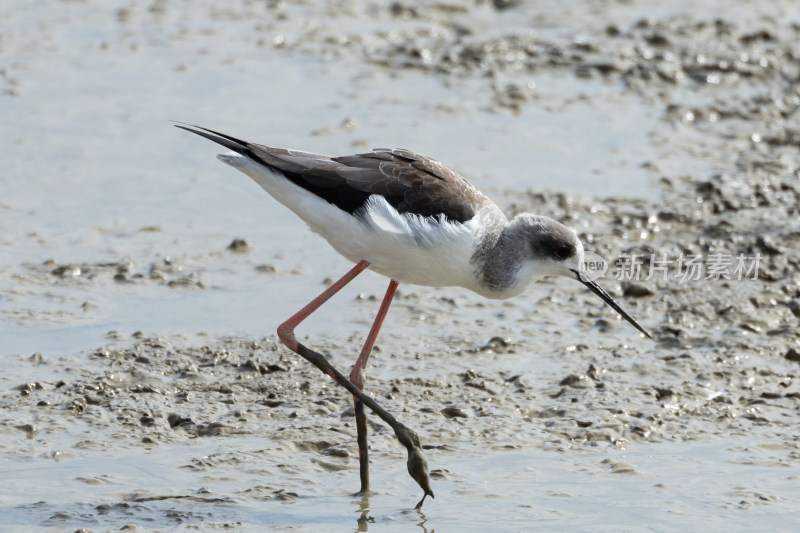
(29, 429)
(768, 246)
(750, 327)
(140, 389)
(336, 451)
(451, 411)
(602, 325)
(498, 345)
(67, 271)
(662, 393)
(215, 429)
(78, 406)
(186, 281)
(439, 473)
(239, 246)
(265, 269)
(622, 468)
(28, 388)
(792, 355)
(176, 420)
(636, 290)
(552, 412)
(576, 382)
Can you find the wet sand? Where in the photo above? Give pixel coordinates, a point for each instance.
(143, 387)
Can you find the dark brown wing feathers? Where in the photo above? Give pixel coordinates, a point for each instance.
(410, 182)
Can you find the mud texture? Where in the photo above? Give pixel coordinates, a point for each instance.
(557, 372)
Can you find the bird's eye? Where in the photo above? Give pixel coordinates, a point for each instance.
(563, 251)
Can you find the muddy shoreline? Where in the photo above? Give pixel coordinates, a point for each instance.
(241, 424)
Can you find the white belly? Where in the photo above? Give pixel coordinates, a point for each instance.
(407, 248)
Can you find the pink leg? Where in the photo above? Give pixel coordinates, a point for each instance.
(286, 330)
(417, 466)
(358, 376)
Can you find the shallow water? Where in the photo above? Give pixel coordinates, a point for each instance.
(121, 304)
(595, 490)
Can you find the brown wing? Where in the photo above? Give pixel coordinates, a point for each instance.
(410, 182)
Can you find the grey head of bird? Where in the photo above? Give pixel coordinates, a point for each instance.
(540, 247)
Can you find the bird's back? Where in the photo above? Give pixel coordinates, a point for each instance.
(409, 182)
(411, 217)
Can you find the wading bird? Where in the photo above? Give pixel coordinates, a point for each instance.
(412, 219)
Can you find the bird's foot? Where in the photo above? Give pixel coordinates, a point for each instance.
(419, 505)
(417, 465)
(363, 493)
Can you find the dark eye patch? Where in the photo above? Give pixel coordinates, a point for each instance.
(563, 251)
(553, 243)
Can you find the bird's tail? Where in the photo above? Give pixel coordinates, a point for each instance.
(231, 143)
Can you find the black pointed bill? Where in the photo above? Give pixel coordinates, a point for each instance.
(598, 290)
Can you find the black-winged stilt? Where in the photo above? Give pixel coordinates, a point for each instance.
(412, 219)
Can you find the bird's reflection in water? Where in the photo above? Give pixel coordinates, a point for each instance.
(364, 518)
(363, 510)
(422, 520)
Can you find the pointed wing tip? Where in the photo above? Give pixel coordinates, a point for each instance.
(186, 126)
(231, 143)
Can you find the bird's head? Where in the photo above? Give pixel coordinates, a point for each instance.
(555, 250)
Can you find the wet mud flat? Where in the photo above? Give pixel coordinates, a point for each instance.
(543, 412)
